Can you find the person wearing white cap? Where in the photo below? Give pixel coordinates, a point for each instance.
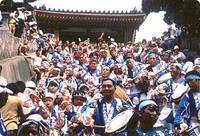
(197, 64)
(48, 101)
(188, 66)
(34, 125)
(49, 104)
(55, 119)
(177, 54)
(197, 61)
(25, 96)
(31, 85)
(53, 86)
(177, 79)
(11, 110)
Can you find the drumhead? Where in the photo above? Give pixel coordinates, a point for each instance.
(119, 121)
(164, 78)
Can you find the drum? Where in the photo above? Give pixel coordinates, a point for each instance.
(119, 122)
(179, 92)
(164, 78)
(195, 131)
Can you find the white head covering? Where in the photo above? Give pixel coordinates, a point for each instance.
(188, 66)
(3, 81)
(49, 95)
(30, 84)
(197, 61)
(5, 90)
(35, 117)
(179, 91)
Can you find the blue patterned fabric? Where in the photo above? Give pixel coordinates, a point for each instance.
(3, 131)
(106, 61)
(134, 71)
(99, 113)
(186, 108)
(156, 131)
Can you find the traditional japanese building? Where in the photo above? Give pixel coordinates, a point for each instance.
(70, 25)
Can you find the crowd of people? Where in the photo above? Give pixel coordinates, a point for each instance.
(81, 88)
(22, 25)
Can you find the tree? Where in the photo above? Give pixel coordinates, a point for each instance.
(9, 5)
(184, 13)
(6, 5)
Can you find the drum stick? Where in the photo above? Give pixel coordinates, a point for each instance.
(168, 93)
(187, 131)
(97, 126)
(130, 102)
(76, 124)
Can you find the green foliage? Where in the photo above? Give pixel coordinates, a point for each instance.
(9, 5)
(6, 5)
(184, 13)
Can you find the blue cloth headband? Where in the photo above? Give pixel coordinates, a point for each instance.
(145, 103)
(191, 77)
(151, 54)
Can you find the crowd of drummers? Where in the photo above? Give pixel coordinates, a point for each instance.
(149, 88)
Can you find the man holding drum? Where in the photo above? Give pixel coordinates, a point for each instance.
(188, 112)
(103, 110)
(148, 114)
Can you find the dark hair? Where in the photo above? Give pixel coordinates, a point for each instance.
(109, 79)
(53, 84)
(42, 127)
(81, 95)
(21, 86)
(193, 72)
(78, 93)
(13, 87)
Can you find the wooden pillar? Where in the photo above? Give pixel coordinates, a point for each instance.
(57, 34)
(128, 34)
(133, 35)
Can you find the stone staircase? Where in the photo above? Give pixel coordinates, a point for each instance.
(14, 67)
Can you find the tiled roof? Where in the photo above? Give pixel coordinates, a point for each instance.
(91, 12)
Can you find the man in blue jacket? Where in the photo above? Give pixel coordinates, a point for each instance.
(106, 108)
(188, 112)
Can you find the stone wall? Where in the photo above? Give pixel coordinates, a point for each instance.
(14, 67)
(17, 68)
(8, 43)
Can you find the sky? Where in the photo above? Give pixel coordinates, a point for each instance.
(90, 4)
(152, 26)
